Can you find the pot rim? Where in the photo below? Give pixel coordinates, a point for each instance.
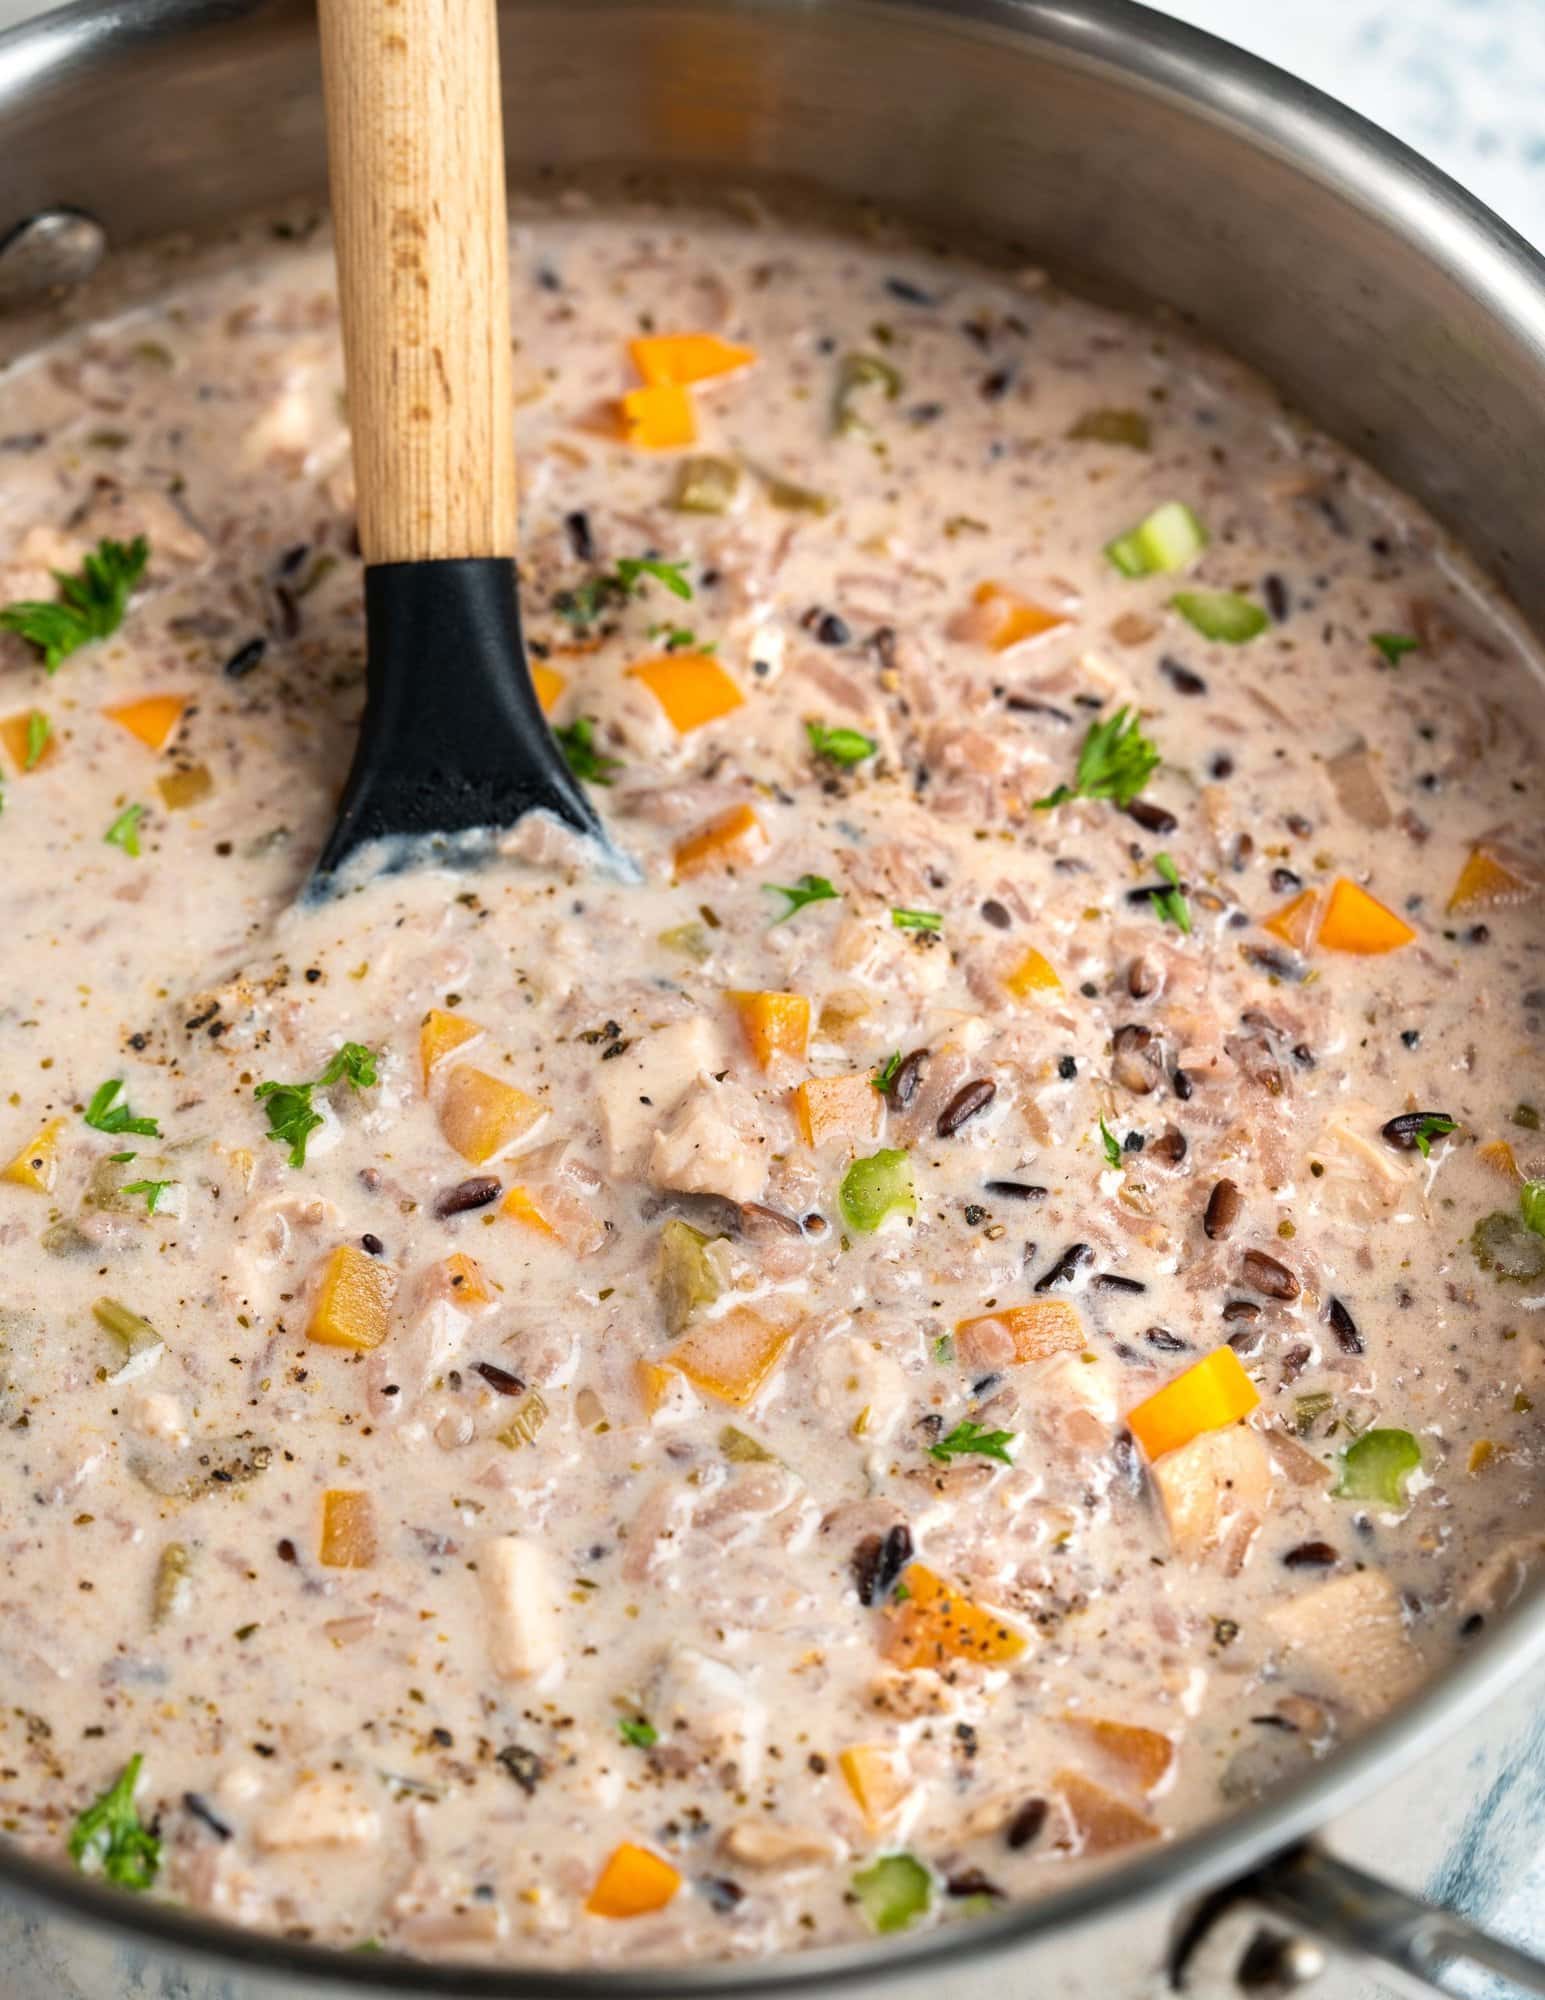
(1437, 219)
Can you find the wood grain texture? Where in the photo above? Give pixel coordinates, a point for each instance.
(416, 161)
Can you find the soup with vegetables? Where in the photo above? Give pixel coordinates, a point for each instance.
(979, 1317)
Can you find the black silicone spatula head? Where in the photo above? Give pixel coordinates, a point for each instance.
(453, 746)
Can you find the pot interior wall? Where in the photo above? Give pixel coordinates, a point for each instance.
(1103, 141)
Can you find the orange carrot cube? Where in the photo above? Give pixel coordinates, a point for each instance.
(659, 417)
(736, 839)
(1033, 974)
(439, 1033)
(354, 1300)
(848, 1108)
(1146, 1756)
(1294, 922)
(692, 688)
(730, 1358)
(1212, 1393)
(934, 1622)
(483, 1117)
(152, 718)
(1033, 1332)
(633, 1882)
(348, 1530)
(17, 733)
(1487, 882)
(548, 684)
(775, 1024)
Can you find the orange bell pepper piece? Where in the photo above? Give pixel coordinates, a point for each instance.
(152, 718)
(692, 688)
(1354, 921)
(348, 1530)
(632, 1883)
(354, 1302)
(934, 1622)
(1033, 974)
(683, 358)
(1294, 922)
(659, 417)
(1213, 1393)
(482, 1116)
(1038, 1330)
(736, 839)
(439, 1033)
(549, 684)
(775, 1024)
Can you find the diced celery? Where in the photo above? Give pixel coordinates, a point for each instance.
(1377, 1467)
(686, 1278)
(1221, 614)
(705, 485)
(1125, 427)
(877, 1186)
(1169, 539)
(134, 1334)
(1126, 552)
(893, 1891)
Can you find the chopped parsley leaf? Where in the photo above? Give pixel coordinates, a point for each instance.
(577, 742)
(885, 1076)
(90, 604)
(124, 831)
(844, 747)
(917, 920)
(632, 571)
(637, 1730)
(808, 889)
(151, 1190)
(681, 638)
(291, 1118)
(970, 1437)
(1434, 1126)
(1172, 905)
(102, 1115)
(1115, 762)
(1393, 645)
(1111, 1144)
(109, 1840)
(39, 729)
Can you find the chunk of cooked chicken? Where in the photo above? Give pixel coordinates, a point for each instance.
(715, 1143)
(1216, 1491)
(520, 1607)
(1350, 1634)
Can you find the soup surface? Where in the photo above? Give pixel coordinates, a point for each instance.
(982, 1315)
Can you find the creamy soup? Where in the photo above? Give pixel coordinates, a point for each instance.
(982, 1315)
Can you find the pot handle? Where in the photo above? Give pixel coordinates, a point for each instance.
(1356, 1914)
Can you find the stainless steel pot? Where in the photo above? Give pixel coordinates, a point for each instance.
(1118, 147)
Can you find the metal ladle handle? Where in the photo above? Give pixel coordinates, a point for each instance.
(1430, 1950)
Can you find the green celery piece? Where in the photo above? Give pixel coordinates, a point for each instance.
(1126, 552)
(1222, 615)
(1166, 541)
(1531, 1206)
(1377, 1467)
(893, 1891)
(876, 1186)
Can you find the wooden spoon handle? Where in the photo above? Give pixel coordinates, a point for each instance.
(416, 158)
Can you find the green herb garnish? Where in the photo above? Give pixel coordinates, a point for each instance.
(291, 1119)
(808, 889)
(1115, 762)
(917, 920)
(103, 1115)
(151, 1190)
(876, 1186)
(577, 742)
(893, 1891)
(632, 572)
(1377, 1467)
(970, 1437)
(39, 729)
(1172, 905)
(637, 1730)
(1434, 1126)
(1222, 615)
(90, 605)
(1394, 645)
(109, 1840)
(1111, 1144)
(124, 831)
(845, 747)
(885, 1076)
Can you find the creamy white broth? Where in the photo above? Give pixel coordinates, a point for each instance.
(612, 1530)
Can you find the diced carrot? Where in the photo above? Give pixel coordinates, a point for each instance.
(548, 684)
(1355, 921)
(1294, 922)
(1043, 1327)
(439, 1033)
(1487, 882)
(36, 1166)
(659, 417)
(482, 1116)
(1101, 1821)
(837, 1107)
(632, 1883)
(16, 732)
(1498, 1155)
(934, 1622)
(348, 1530)
(1213, 1392)
(152, 718)
(1033, 974)
(467, 1280)
(1001, 618)
(354, 1300)
(654, 1384)
(736, 839)
(684, 358)
(775, 1024)
(1146, 1756)
(878, 1781)
(731, 1358)
(692, 688)
(520, 1205)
